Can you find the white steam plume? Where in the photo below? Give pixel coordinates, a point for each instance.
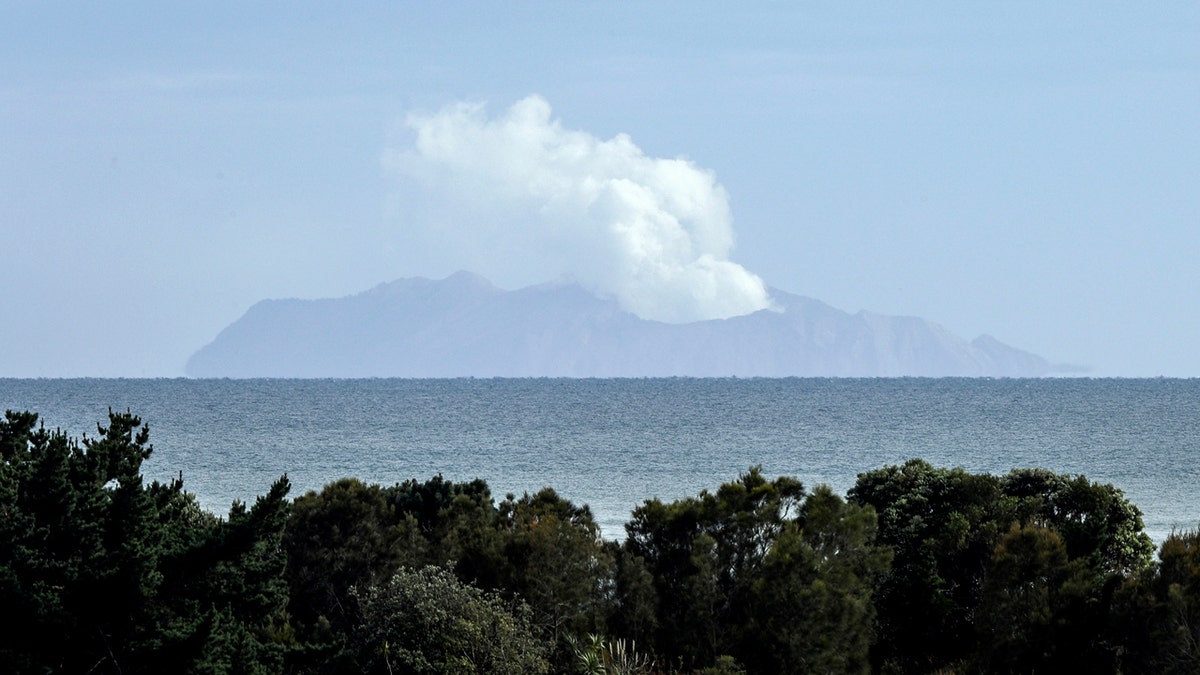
(653, 233)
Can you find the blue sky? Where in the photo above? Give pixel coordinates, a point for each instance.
(1014, 169)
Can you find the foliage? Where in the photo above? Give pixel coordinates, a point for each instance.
(1098, 526)
(556, 561)
(633, 603)
(1158, 610)
(100, 573)
(956, 553)
(1038, 611)
(920, 569)
(337, 539)
(940, 525)
(703, 552)
(756, 571)
(598, 655)
(441, 522)
(427, 621)
(724, 665)
(540, 548)
(812, 609)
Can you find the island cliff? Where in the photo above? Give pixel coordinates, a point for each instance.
(463, 326)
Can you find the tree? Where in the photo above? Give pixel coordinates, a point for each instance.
(427, 621)
(633, 610)
(703, 553)
(342, 537)
(101, 573)
(812, 609)
(941, 526)
(80, 563)
(557, 562)
(1096, 522)
(945, 527)
(539, 548)
(1157, 617)
(442, 522)
(1039, 611)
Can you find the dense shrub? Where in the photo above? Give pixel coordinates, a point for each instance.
(919, 570)
(427, 622)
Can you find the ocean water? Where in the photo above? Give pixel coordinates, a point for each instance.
(613, 443)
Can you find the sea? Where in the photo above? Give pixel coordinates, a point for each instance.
(613, 443)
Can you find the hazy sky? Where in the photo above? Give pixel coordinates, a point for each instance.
(1025, 171)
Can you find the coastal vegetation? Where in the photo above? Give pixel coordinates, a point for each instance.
(917, 569)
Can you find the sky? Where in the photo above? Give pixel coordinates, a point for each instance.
(1025, 170)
